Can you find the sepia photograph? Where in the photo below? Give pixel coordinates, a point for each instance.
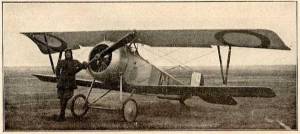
(146, 65)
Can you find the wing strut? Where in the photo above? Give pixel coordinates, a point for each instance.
(224, 78)
(50, 56)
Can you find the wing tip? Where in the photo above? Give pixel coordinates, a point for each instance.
(26, 34)
(283, 47)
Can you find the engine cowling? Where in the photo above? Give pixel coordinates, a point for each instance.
(108, 68)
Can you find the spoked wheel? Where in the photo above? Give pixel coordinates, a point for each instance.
(130, 110)
(79, 107)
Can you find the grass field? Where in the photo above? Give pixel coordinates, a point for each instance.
(30, 104)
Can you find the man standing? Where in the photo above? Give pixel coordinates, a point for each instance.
(65, 72)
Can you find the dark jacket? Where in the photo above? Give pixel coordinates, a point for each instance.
(66, 71)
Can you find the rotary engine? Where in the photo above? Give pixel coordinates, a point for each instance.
(108, 67)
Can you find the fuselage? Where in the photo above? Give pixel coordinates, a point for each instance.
(134, 69)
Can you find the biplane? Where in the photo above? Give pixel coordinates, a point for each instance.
(115, 63)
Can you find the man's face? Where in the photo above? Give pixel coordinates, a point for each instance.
(68, 55)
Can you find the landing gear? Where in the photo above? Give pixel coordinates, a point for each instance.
(130, 110)
(79, 106)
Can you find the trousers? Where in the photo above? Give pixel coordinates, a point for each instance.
(64, 95)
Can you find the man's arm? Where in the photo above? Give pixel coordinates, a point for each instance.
(58, 69)
(79, 66)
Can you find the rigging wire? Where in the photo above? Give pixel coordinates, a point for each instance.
(165, 54)
(181, 64)
(203, 55)
(161, 56)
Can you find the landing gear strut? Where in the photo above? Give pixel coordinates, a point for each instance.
(80, 104)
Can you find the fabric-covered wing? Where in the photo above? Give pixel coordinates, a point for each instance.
(80, 82)
(253, 38)
(257, 38)
(234, 91)
(215, 95)
(211, 94)
(49, 43)
(225, 100)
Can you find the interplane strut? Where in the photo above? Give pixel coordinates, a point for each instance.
(50, 56)
(224, 78)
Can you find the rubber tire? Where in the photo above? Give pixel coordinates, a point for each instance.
(73, 104)
(123, 110)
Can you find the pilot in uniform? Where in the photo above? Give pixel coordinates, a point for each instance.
(65, 71)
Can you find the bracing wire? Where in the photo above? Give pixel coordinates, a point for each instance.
(172, 60)
(198, 57)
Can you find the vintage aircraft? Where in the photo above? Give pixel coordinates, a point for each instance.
(115, 64)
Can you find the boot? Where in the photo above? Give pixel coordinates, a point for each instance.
(61, 116)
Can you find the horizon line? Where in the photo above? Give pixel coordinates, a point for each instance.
(182, 65)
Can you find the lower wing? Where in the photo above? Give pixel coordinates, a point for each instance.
(211, 94)
(80, 82)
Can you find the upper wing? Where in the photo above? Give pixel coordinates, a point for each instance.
(256, 38)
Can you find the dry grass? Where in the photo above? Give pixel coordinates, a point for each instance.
(30, 104)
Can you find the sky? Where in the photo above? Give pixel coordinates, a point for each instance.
(279, 17)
